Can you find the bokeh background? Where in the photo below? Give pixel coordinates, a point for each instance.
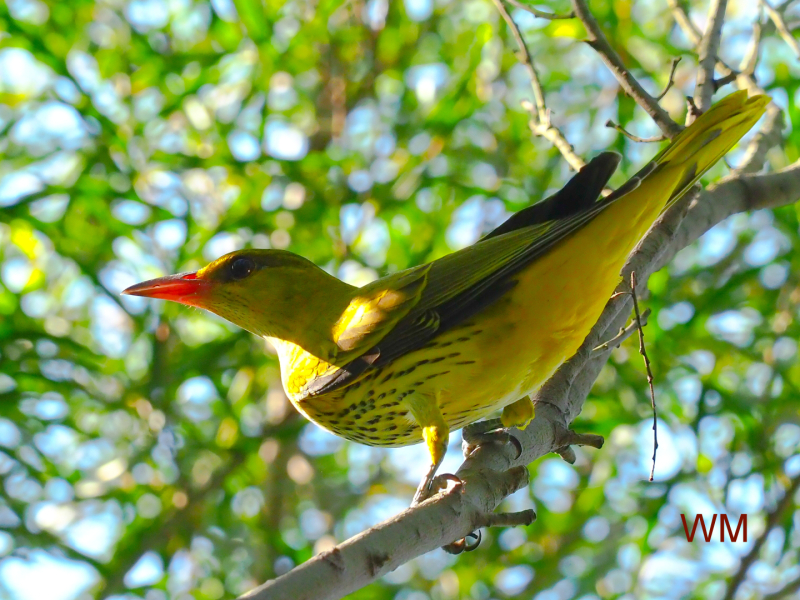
(148, 450)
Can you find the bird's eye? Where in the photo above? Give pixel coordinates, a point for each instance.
(241, 268)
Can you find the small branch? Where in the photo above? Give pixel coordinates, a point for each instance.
(511, 519)
(569, 438)
(598, 41)
(770, 135)
(573, 438)
(750, 58)
(524, 57)
(692, 110)
(624, 333)
(671, 80)
(744, 80)
(553, 135)
(540, 13)
(723, 81)
(540, 117)
(773, 518)
(684, 22)
(786, 592)
(643, 352)
(780, 25)
(656, 138)
(709, 46)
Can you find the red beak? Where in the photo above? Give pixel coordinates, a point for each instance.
(185, 288)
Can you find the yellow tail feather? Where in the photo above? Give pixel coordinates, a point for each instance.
(698, 147)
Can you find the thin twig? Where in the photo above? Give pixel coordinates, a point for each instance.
(786, 592)
(707, 51)
(671, 80)
(598, 41)
(744, 80)
(750, 58)
(624, 333)
(656, 138)
(770, 135)
(722, 81)
(573, 438)
(510, 519)
(524, 57)
(692, 110)
(643, 352)
(773, 518)
(780, 25)
(540, 117)
(553, 134)
(684, 22)
(540, 13)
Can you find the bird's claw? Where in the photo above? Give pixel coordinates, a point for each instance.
(464, 545)
(475, 439)
(436, 485)
(440, 482)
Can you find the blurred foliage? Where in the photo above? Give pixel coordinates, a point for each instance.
(148, 449)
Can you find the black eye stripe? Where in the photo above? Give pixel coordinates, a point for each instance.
(241, 268)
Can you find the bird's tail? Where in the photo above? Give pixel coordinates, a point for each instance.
(695, 149)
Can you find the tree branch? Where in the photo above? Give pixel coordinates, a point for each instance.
(744, 80)
(671, 80)
(777, 18)
(625, 332)
(540, 117)
(771, 133)
(492, 472)
(773, 518)
(540, 13)
(635, 138)
(632, 87)
(709, 46)
(750, 58)
(786, 592)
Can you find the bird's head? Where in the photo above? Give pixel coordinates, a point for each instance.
(258, 290)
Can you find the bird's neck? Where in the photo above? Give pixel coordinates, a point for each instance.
(311, 313)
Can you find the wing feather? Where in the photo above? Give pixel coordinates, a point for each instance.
(402, 312)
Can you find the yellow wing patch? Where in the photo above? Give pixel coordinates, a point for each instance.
(373, 314)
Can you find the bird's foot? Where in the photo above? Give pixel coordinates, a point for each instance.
(428, 489)
(490, 431)
(466, 544)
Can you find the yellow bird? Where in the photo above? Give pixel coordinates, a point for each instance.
(418, 353)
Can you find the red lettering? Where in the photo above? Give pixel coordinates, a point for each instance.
(690, 538)
(723, 523)
(706, 534)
